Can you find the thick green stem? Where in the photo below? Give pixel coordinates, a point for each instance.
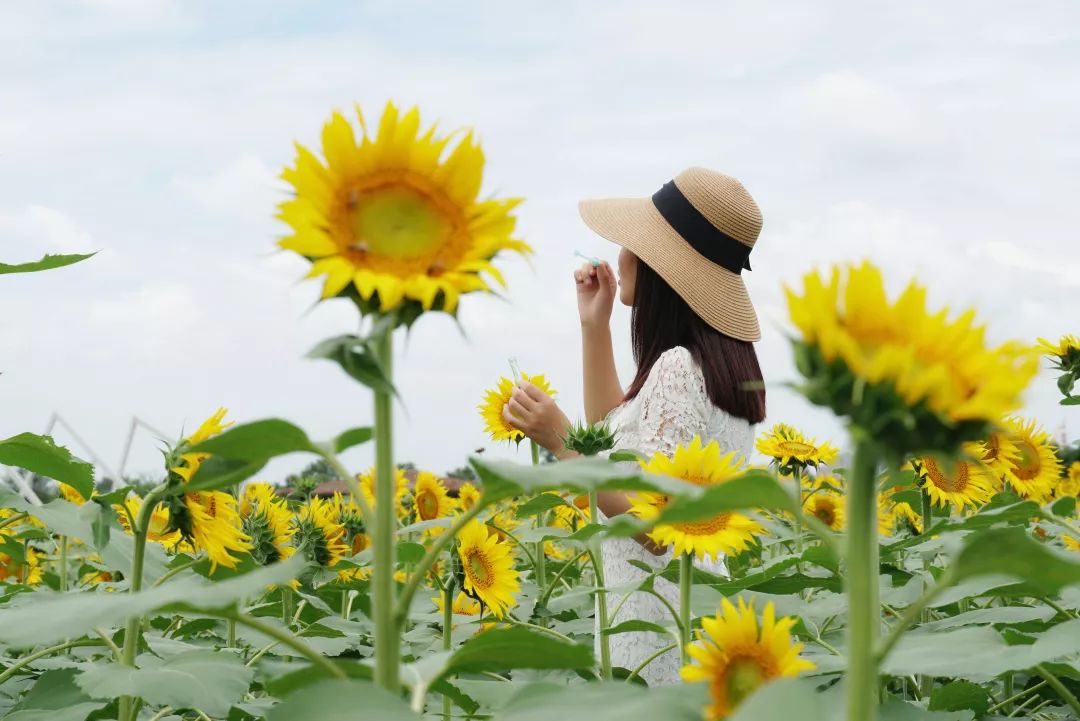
(387, 643)
(129, 706)
(447, 634)
(63, 563)
(1056, 684)
(926, 512)
(862, 579)
(602, 618)
(686, 577)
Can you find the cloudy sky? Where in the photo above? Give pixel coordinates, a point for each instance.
(938, 139)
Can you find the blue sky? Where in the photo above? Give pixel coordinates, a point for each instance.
(936, 139)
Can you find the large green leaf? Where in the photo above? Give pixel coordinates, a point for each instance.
(784, 699)
(357, 357)
(42, 618)
(606, 702)
(48, 262)
(342, 700)
(209, 680)
(242, 451)
(39, 454)
(958, 695)
(499, 649)
(897, 710)
(54, 697)
(352, 437)
(1011, 551)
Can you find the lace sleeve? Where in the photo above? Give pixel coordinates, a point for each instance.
(674, 404)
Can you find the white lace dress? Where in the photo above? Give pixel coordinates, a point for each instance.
(670, 410)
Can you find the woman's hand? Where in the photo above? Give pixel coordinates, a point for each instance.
(596, 288)
(538, 416)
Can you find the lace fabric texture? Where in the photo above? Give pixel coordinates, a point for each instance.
(670, 410)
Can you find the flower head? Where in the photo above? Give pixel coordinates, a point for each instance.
(492, 408)
(431, 499)
(267, 521)
(401, 490)
(736, 656)
(208, 521)
(317, 535)
(827, 507)
(488, 568)
(394, 219)
(791, 450)
(954, 481)
(913, 378)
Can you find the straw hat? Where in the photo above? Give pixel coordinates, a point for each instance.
(697, 233)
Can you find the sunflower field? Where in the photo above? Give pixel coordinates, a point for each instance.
(935, 577)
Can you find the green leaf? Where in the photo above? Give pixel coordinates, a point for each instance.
(500, 649)
(539, 504)
(54, 697)
(209, 680)
(241, 451)
(958, 695)
(357, 357)
(39, 454)
(607, 702)
(1064, 507)
(48, 262)
(352, 437)
(1011, 551)
(633, 626)
(221, 472)
(897, 710)
(784, 699)
(42, 618)
(1071, 401)
(410, 552)
(342, 700)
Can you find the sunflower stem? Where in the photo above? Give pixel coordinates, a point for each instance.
(447, 634)
(387, 643)
(539, 555)
(862, 578)
(128, 706)
(286, 638)
(1055, 683)
(30, 658)
(602, 618)
(686, 577)
(926, 511)
(63, 563)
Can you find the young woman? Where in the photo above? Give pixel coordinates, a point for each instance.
(692, 332)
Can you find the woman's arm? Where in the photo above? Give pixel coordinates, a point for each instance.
(596, 287)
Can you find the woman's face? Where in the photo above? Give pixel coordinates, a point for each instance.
(627, 275)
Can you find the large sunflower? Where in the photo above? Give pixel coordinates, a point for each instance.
(209, 521)
(728, 532)
(791, 449)
(736, 657)
(268, 523)
(1035, 469)
(488, 567)
(913, 376)
(317, 535)
(393, 218)
(997, 451)
(827, 507)
(491, 410)
(956, 481)
(467, 495)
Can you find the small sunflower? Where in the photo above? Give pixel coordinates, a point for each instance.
(1065, 347)
(907, 374)
(728, 532)
(158, 530)
(26, 571)
(401, 490)
(316, 535)
(463, 605)
(959, 482)
(736, 656)
(491, 410)
(488, 567)
(827, 507)
(792, 450)
(189, 463)
(1069, 485)
(96, 577)
(68, 493)
(393, 220)
(430, 498)
(347, 514)
(468, 494)
(267, 521)
(209, 521)
(1035, 470)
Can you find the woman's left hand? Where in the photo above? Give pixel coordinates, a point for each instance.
(538, 416)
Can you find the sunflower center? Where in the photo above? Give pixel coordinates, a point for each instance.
(397, 221)
(825, 512)
(744, 675)
(954, 484)
(1029, 463)
(796, 448)
(479, 568)
(427, 505)
(707, 527)
(359, 543)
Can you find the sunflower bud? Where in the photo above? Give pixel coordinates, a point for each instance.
(589, 440)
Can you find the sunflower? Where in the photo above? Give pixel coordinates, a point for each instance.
(488, 566)
(401, 490)
(316, 535)
(956, 481)
(158, 529)
(189, 462)
(736, 657)
(430, 499)
(268, 523)
(1035, 470)
(1066, 346)
(1070, 543)
(904, 373)
(70, 494)
(209, 521)
(997, 451)
(468, 494)
(491, 410)
(1069, 485)
(96, 577)
(703, 466)
(827, 507)
(394, 219)
(792, 450)
(463, 605)
(347, 514)
(26, 571)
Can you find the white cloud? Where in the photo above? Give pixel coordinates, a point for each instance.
(852, 102)
(244, 188)
(39, 228)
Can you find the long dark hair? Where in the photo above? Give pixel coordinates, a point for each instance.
(661, 320)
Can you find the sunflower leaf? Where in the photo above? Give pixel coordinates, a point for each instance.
(54, 697)
(1013, 552)
(48, 262)
(352, 437)
(499, 649)
(357, 357)
(539, 504)
(341, 700)
(607, 702)
(40, 455)
(242, 451)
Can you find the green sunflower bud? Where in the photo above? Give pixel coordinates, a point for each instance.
(589, 440)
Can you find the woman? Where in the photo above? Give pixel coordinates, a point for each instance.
(692, 332)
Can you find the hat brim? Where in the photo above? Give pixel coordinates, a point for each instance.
(712, 291)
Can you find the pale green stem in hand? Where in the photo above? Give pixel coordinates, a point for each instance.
(601, 591)
(387, 642)
(1056, 684)
(447, 634)
(27, 660)
(650, 659)
(686, 576)
(539, 555)
(862, 578)
(128, 706)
